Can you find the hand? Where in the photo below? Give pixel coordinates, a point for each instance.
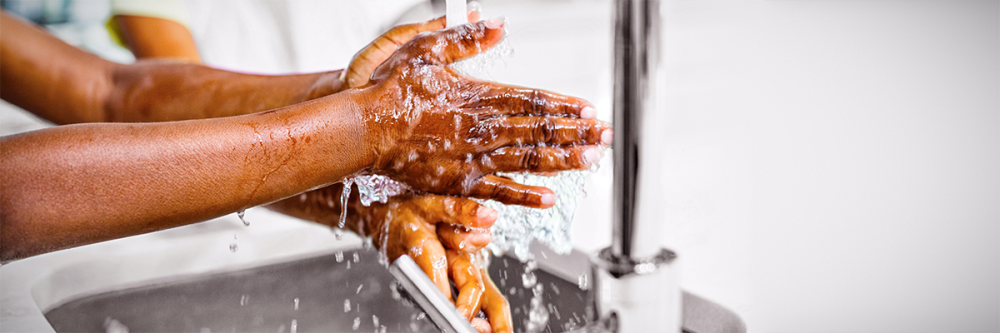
(435, 230)
(443, 133)
(438, 232)
(364, 62)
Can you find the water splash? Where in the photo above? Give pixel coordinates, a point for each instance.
(538, 314)
(296, 304)
(517, 226)
(372, 188)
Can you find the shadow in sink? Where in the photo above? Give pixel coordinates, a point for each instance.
(318, 294)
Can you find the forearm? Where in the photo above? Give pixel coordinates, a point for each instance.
(158, 90)
(74, 185)
(66, 85)
(49, 78)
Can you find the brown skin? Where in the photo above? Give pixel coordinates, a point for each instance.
(151, 37)
(402, 226)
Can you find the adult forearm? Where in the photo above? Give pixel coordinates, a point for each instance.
(74, 185)
(49, 78)
(66, 85)
(159, 90)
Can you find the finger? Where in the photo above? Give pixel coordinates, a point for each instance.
(423, 246)
(495, 305)
(454, 210)
(457, 237)
(366, 60)
(467, 277)
(519, 101)
(481, 325)
(508, 192)
(533, 130)
(459, 42)
(541, 159)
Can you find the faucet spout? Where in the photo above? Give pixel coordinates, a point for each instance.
(637, 287)
(636, 56)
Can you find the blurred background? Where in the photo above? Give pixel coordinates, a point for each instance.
(823, 166)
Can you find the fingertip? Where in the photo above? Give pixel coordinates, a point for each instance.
(592, 155)
(607, 136)
(475, 10)
(588, 112)
(494, 23)
(486, 214)
(548, 199)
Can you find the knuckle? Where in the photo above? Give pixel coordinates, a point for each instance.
(535, 102)
(530, 159)
(544, 130)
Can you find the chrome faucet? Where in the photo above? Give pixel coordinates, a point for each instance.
(636, 284)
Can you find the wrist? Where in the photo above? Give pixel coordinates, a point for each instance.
(326, 84)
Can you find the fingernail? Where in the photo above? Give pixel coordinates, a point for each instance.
(588, 112)
(548, 199)
(474, 6)
(607, 136)
(494, 23)
(486, 212)
(592, 155)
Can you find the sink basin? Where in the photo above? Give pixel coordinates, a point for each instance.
(337, 292)
(341, 291)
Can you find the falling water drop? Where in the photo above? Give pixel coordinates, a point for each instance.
(233, 247)
(241, 213)
(296, 304)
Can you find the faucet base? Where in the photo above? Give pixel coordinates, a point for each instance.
(637, 295)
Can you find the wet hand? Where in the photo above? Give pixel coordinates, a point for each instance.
(429, 228)
(365, 61)
(441, 132)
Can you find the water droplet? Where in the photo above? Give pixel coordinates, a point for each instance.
(244, 300)
(344, 196)
(339, 256)
(241, 213)
(296, 303)
(528, 279)
(233, 247)
(359, 289)
(338, 233)
(347, 305)
(357, 257)
(581, 281)
(295, 326)
(348, 265)
(357, 323)
(375, 321)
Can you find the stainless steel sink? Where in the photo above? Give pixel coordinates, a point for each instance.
(321, 294)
